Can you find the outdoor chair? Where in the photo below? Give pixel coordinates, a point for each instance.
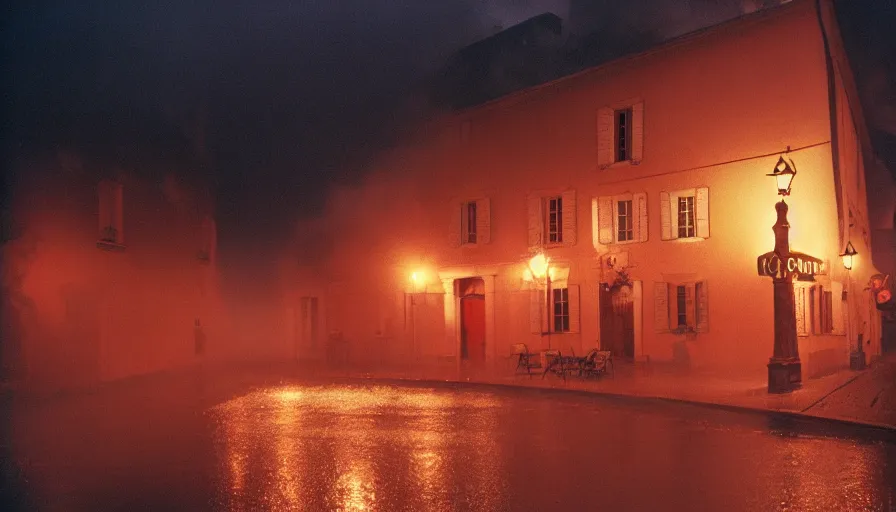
(597, 363)
(524, 359)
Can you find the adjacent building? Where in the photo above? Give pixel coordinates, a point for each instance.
(623, 207)
(108, 271)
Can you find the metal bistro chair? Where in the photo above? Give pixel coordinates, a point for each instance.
(524, 359)
(597, 363)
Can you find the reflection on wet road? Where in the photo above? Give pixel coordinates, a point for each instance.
(367, 446)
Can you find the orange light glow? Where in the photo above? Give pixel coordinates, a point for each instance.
(539, 265)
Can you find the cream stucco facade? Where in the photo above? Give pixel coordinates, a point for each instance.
(705, 117)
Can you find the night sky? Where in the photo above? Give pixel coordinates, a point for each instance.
(298, 95)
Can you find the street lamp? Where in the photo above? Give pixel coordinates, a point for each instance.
(784, 367)
(847, 255)
(857, 355)
(539, 267)
(783, 173)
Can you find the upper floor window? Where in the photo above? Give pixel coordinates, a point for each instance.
(620, 219)
(111, 218)
(685, 213)
(623, 134)
(552, 219)
(470, 222)
(620, 133)
(555, 219)
(686, 217)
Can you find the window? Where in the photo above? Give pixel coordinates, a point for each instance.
(686, 227)
(552, 219)
(685, 214)
(825, 311)
(111, 225)
(681, 307)
(619, 219)
(209, 240)
(624, 224)
(560, 306)
(469, 223)
(555, 220)
(623, 134)
(308, 317)
(620, 133)
(556, 311)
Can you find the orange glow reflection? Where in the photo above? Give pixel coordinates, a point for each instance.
(310, 448)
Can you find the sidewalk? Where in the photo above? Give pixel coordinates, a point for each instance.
(866, 397)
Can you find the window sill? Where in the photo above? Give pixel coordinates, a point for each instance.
(107, 245)
(688, 240)
(621, 163)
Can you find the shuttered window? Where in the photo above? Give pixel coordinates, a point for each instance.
(620, 134)
(470, 223)
(558, 312)
(552, 219)
(620, 219)
(685, 213)
(681, 306)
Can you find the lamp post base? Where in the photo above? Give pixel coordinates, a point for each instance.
(784, 375)
(857, 360)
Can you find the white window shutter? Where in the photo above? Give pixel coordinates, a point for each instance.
(660, 306)
(483, 221)
(837, 309)
(637, 132)
(666, 216)
(536, 221)
(690, 305)
(702, 212)
(604, 137)
(536, 311)
(799, 297)
(595, 224)
(605, 218)
(639, 205)
(574, 308)
(570, 233)
(702, 307)
(456, 223)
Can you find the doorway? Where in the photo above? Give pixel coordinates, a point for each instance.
(617, 320)
(472, 319)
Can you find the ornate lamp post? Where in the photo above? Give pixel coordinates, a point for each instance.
(540, 268)
(784, 367)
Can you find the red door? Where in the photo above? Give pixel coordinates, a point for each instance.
(472, 319)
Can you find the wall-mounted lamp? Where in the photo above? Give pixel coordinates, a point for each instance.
(783, 173)
(847, 255)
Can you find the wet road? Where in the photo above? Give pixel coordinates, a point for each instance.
(367, 446)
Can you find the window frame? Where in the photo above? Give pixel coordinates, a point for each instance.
(622, 134)
(560, 311)
(629, 229)
(554, 220)
(689, 213)
(469, 226)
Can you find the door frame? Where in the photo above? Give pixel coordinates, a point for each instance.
(449, 277)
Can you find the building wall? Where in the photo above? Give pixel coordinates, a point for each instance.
(85, 314)
(719, 109)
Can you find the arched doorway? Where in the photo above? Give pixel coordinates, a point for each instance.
(472, 319)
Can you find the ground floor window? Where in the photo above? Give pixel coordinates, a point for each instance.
(560, 308)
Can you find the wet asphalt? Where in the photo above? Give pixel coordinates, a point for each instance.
(376, 445)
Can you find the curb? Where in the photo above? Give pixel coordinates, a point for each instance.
(802, 415)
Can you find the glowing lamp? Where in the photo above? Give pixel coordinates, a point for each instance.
(784, 173)
(418, 280)
(538, 265)
(847, 255)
